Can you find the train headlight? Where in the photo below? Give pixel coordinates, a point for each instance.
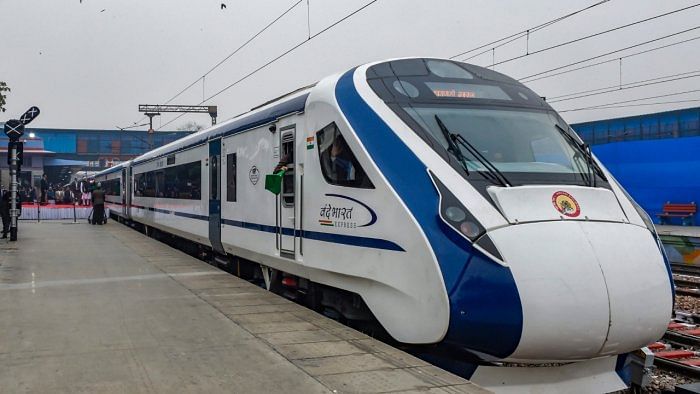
(470, 229)
(457, 217)
(455, 214)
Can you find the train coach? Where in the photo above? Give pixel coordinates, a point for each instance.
(446, 203)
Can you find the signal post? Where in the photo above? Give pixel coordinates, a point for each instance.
(14, 129)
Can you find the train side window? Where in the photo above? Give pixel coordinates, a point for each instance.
(160, 184)
(138, 185)
(112, 187)
(182, 182)
(338, 163)
(231, 177)
(150, 190)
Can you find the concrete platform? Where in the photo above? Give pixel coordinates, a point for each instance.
(105, 309)
(682, 231)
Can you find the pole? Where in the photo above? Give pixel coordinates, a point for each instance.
(14, 212)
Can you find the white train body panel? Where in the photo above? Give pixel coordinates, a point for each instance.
(160, 212)
(528, 269)
(413, 306)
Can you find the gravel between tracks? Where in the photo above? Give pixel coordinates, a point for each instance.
(688, 303)
(665, 380)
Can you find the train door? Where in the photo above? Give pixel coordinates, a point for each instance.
(129, 191)
(286, 219)
(124, 193)
(215, 196)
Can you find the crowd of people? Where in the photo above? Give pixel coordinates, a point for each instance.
(81, 192)
(78, 191)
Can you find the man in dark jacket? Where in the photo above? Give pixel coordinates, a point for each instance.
(98, 205)
(44, 189)
(5, 213)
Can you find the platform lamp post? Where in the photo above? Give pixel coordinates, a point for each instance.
(14, 129)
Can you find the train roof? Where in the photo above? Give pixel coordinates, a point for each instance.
(259, 116)
(112, 169)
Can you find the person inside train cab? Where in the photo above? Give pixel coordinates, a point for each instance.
(341, 167)
(282, 164)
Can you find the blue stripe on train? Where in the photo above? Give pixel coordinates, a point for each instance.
(485, 309)
(364, 242)
(352, 240)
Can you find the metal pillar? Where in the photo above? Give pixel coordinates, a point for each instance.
(14, 212)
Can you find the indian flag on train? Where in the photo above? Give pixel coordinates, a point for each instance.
(310, 142)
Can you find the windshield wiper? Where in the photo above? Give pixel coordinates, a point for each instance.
(452, 146)
(453, 139)
(584, 149)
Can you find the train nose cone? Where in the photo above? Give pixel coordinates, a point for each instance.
(588, 289)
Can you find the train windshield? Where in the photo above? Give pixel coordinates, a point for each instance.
(493, 128)
(512, 141)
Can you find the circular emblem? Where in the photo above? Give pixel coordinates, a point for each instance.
(566, 204)
(254, 175)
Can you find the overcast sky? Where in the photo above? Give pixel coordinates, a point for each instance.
(90, 64)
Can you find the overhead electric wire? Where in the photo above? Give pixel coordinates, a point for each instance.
(627, 86)
(597, 34)
(600, 106)
(607, 61)
(525, 33)
(609, 53)
(635, 105)
(283, 54)
(238, 49)
(615, 86)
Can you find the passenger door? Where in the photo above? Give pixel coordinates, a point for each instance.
(215, 196)
(124, 193)
(286, 219)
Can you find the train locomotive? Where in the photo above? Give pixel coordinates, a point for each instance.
(446, 202)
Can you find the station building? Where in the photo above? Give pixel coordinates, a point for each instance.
(656, 157)
(61, 153)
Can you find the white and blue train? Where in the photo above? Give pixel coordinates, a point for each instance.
(444, 201)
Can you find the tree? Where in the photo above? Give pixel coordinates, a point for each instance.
(3, 88)
(191, 126)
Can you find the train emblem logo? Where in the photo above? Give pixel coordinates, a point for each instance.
(566, 204)
(254, 175)
(346, 212)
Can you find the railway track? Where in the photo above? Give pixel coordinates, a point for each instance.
(685, 286)
(679, 349)
(685, 269)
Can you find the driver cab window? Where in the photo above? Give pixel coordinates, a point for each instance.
(338, 164)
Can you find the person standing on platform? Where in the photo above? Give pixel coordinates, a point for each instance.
(44, 189)
(67, 195)
(51, 195)
(84, 192)
(98, 205)
(5, 212)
